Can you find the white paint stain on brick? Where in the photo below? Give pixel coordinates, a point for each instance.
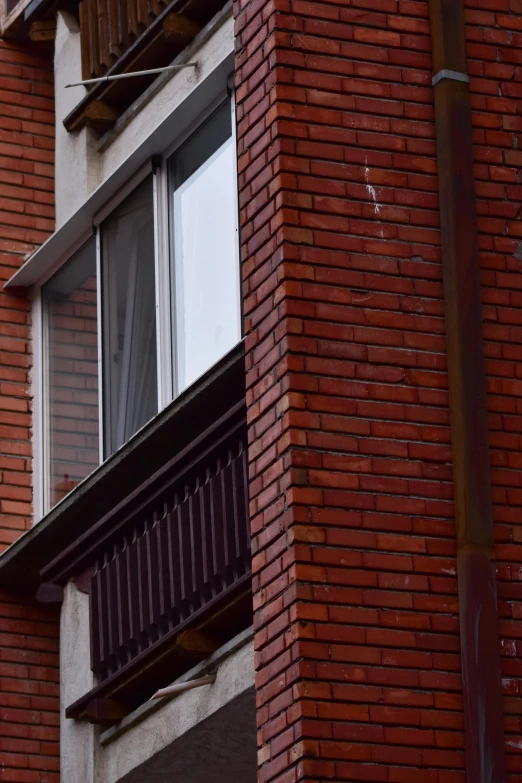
(370, 188)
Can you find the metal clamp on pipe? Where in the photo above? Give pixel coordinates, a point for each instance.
(446, 73)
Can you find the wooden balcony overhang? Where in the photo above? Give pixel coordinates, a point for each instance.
(183, 421)
(159, 538)
(127, 37)
(167, 571)
(193, 641)
(117, 37)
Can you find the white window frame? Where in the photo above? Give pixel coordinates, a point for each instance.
(164, 261)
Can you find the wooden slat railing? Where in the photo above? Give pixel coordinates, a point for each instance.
(189, 549)
(109, 27)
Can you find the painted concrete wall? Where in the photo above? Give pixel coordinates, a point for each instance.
(170, 724)
(77, 164)
(76, 738)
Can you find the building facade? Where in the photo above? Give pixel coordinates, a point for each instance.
(260, 386)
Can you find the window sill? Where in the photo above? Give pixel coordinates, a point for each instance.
(153, 446)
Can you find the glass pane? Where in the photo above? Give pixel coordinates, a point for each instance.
(206, 266)
(201, 145)
(130, 365)
(69, 301)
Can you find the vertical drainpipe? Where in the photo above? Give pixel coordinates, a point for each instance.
(480, 645)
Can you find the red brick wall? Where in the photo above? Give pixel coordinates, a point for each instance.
(28, 633)
(495, 56)
(358, 667)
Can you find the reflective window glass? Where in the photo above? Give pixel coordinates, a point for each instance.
(129, 317)
(70, 306)
(205, 249)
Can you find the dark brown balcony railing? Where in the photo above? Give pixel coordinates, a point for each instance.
(173, 556)
(176, 558)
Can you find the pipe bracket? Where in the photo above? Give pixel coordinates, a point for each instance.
(445, 73)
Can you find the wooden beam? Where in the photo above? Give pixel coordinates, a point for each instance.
(195, 644)
(106, 711)
(98, 115)
(43, 32)
(179, 29)
(479, 634)
(49, 593)
(83, 580)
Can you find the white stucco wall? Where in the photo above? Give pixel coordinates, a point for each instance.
(77, 162)
(91, 755)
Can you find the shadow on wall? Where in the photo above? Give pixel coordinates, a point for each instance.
(220, 749)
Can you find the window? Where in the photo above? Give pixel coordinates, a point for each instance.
(72, 430)
(130, 361)
(206, 292)
(143, 309)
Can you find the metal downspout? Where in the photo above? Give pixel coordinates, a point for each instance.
(480, 645)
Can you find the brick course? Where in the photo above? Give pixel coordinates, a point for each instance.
(357, 628)
(29, 703)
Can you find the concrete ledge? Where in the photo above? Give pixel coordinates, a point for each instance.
(183, 730)
(219, 749)
(210, 664)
